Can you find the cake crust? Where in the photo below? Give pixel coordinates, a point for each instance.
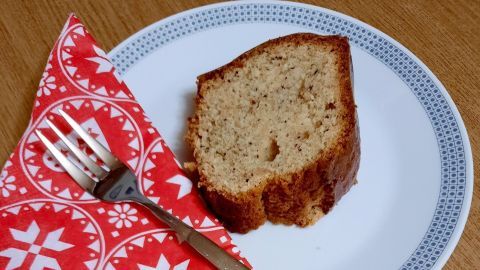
(300, 197)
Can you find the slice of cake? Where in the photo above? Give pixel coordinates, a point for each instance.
(275, 133)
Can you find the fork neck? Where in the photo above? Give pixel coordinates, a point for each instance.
(120, 184)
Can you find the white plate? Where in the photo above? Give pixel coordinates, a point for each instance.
(415, 182)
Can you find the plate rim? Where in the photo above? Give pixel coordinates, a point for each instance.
(469, 170)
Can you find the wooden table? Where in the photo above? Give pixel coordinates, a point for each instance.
(443, 34)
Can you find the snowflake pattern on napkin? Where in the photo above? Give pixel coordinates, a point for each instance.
(48, 222)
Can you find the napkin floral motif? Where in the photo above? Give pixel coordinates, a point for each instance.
(47, 221)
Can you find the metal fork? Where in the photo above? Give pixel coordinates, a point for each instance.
(120, 184)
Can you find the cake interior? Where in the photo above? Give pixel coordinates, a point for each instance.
(271, 116)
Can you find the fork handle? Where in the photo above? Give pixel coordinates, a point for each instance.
(206, 247)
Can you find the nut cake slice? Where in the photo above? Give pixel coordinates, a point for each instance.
(275, 133)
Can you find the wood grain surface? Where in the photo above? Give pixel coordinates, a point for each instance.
(445, 35)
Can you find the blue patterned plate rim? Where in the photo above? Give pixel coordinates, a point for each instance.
(456, 188)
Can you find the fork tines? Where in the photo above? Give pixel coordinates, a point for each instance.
(76, 173)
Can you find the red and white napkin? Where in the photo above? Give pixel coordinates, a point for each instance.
(48, 222)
